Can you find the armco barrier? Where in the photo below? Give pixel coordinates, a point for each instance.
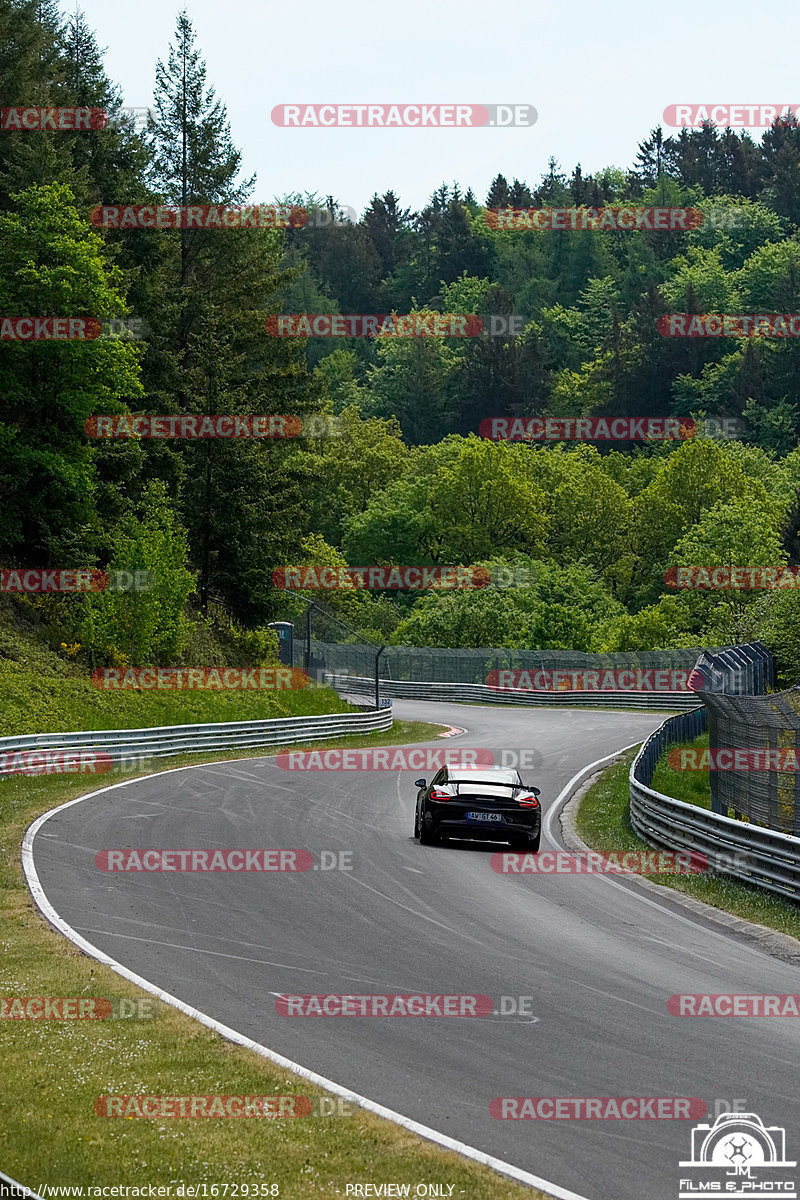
(764, 857)
(122, 744)
(479, 693)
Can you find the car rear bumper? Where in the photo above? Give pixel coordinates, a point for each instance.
(443, 818)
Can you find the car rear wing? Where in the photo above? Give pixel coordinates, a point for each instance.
(513, 787)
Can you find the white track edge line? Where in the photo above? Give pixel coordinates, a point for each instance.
(662, 904)
(576, 780)
(232, 1035)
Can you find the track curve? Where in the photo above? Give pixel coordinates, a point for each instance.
(598, 957)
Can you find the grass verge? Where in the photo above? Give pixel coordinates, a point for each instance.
(35, 702)
(603, 822)
(53, 1071)
(692, 787)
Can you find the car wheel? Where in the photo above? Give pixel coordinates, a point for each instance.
(416, 822)
(426, 838)
(526, 841)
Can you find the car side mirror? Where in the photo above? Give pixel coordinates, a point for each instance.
(420, 783)
(536, 791)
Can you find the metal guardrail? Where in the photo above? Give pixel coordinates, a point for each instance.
(479, 693)
(121, 744)
(756, 855)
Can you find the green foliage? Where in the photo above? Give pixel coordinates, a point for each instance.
(414, 380)
(53, 265)
(534, 604)
(143, 625)
(365, 456)
(656, 627)
(697, 476)
(780, 631)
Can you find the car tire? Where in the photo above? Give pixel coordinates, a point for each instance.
(528, 842)
(425, 837)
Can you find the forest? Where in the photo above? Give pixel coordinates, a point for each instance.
(566, 323)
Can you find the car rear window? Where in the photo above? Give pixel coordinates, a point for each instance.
(483, 776)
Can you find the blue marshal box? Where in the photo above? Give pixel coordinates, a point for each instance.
(285, 632)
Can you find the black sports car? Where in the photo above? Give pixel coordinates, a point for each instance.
(488, 803)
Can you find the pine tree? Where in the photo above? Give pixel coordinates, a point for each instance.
(577, 187)
(498, 196)
(780, 150)
(650, 158)
(552, 191)
(30, 72)
(109, 162)
(520, 195)
(241, 500)
(388, 226)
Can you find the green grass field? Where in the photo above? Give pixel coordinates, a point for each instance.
(38, 703)
(690, 786)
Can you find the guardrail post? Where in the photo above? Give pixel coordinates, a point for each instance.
(308, 639)
(377, 679)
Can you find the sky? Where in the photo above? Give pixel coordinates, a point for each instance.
(599, 75)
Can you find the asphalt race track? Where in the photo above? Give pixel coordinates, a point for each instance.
(599, 957)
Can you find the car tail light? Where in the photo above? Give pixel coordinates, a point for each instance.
(528, 802)
(438, 794)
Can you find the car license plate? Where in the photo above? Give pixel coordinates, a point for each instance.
(477, 816)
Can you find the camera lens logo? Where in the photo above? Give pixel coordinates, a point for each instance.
(738, 1155)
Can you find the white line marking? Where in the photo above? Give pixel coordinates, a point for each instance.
(636, 892)
(570, 787)
(388, 1114)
